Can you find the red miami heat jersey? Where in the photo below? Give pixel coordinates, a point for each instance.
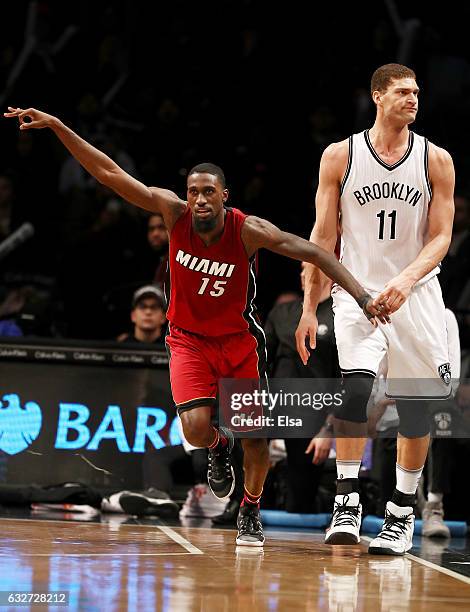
(211, 287)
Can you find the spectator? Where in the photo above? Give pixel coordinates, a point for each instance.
(157, 237)
(10, 328)
(147, 315)
(11, 308)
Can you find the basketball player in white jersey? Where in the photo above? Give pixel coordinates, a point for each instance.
(393, 191)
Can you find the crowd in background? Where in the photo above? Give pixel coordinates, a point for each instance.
(165, 86)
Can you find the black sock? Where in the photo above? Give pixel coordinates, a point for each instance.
(403, 499)
(347, 485)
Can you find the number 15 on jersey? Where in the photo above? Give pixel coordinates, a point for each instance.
(217, 288)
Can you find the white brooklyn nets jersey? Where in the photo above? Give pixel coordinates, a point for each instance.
(384, 211)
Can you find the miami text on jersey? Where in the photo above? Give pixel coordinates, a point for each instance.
(198, 264)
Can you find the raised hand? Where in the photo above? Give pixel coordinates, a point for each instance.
(30, 118)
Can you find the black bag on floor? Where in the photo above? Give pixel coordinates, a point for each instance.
(63, 493)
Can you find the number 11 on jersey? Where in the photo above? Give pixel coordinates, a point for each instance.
(393, 222)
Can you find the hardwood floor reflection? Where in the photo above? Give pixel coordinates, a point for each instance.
(140, 567)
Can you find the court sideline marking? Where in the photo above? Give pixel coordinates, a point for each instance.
(176, 537)
(431, 565)
(168, 531)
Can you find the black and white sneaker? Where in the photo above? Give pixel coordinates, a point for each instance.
(138, 504)
(396, 535)
(220, 474)
(346, 520)
(250, 529)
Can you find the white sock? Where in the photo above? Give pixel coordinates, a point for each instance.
(347, 469)
(435, 497)
(407, 480)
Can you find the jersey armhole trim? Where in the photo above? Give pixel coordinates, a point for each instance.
(178, 219)
(240, 228)
(348, 167)
(426, 165)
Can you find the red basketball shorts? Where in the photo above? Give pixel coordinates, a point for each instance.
(198, 362)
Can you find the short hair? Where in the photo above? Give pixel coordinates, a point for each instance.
(385, 74)
(209, 168)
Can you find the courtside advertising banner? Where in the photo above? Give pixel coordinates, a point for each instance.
(85, 415)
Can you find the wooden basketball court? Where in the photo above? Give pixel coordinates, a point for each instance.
(135, 566)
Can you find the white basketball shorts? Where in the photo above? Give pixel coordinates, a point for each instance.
(415, 343)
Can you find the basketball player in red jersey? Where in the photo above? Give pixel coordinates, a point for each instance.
(214, 332)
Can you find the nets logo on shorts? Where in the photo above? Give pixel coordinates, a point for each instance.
(443, 421)
(444, 373)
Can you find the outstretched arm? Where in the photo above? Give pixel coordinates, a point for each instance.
(102, 167)
(258, 233)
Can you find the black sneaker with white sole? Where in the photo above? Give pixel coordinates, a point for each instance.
(220, 474)
(137, 504)
(250, 529)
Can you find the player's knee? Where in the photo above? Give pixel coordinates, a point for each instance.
(356, 392)
(196, 425)
(415, 418)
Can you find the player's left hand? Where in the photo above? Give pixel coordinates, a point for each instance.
(321, 448)
(395, 294)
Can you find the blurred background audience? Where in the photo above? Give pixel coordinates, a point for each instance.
(260, 96)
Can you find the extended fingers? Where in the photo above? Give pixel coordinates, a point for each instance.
(27, 118)
(20, 113)
(13, 112)
(301, 348)
(312, 334)
(311, 446)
